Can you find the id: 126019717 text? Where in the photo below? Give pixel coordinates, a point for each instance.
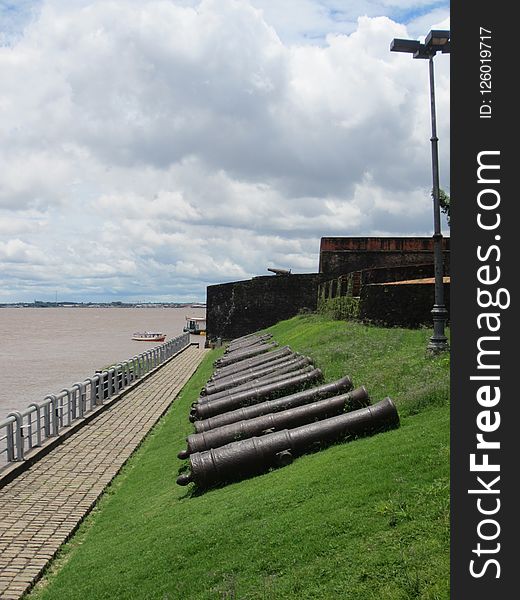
(485, 73)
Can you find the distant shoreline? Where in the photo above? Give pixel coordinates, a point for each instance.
(42, 304)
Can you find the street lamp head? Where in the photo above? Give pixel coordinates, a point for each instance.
(399, 45)
(436, 41)
(437, 38)
(423, 52)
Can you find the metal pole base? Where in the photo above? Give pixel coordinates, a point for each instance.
(437, 345)
(438, 342)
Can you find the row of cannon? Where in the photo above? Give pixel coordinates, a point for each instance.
(264, 405)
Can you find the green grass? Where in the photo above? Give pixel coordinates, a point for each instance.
(388, 361)
(364, 520)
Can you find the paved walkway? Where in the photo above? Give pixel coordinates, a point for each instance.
(41, 508)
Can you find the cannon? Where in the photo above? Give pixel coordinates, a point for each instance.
(270, 406)
(250, 341)
(232, 376)
(251, 362)
(257, 455)
(235, 357)
(279, 271)
(286, 419)
(262, 392)
(282, 365)
(219, 378)
(249, 337)
(253, 343)
(248, 385)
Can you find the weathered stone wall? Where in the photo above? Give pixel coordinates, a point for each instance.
(400, 304)
(340, 255)
(241, 307)
(400, 273)
(351, 283)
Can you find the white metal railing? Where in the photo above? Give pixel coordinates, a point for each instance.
(23, 430)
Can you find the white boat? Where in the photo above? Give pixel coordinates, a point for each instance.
(149, 336)
(195, 325)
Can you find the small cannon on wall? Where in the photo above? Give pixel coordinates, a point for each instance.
(279, 271)
(257, 455)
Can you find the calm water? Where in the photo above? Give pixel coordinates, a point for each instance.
(43, 350)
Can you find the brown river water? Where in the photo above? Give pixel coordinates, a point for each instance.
(43, 350)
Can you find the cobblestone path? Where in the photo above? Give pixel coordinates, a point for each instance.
(41, 507)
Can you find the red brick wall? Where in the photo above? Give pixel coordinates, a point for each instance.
(341, 255)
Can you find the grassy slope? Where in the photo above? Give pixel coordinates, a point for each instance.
(369, 519)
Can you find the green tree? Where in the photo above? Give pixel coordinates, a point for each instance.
(444, 202)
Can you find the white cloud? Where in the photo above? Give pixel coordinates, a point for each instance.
(438, 18)
(17, 251)
(165, 145)
(303, 22)
(32, 179)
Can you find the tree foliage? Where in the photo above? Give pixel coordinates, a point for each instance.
(445, 203)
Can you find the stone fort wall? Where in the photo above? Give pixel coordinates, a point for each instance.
(241, 307)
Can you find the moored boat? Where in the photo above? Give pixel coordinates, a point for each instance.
(195, 325)
(149, 336)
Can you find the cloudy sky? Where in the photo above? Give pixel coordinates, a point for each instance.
(149, 148)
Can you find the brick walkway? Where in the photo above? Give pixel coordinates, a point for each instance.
(41, 508)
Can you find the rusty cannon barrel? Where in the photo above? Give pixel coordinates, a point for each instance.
(248, 353)
(269, 406)
(257, 455)
(250, 341)
(263, 392)
(250, 337)
(283, 365)
(286, 419)
(251, 362)
(250, 372)
(253, 343)
(243, 367)
(245, 346)
(248, 385)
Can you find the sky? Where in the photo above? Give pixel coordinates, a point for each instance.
(149, 148)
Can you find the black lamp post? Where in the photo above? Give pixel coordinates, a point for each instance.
(436, 41)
